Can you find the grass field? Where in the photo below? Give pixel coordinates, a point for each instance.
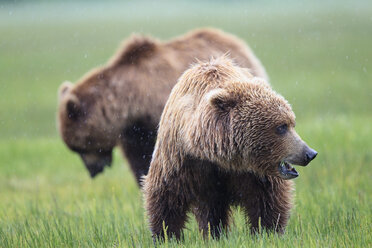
(318, 56)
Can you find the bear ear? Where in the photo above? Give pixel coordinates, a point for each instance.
(73, 108)
(64, 88)
(221, 99)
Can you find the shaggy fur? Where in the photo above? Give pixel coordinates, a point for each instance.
(121, 102)
(217, 146)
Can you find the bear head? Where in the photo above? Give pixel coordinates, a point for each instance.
(83, 121)
(260, 128)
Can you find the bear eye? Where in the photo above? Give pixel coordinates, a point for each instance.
(282, 129)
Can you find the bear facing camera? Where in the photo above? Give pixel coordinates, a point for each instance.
(225, 138)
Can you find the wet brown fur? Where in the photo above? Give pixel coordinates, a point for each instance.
(217, 147)
(121, 102)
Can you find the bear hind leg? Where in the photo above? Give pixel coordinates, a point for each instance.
(212, 218)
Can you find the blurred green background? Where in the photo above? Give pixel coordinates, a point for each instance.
(318, 55)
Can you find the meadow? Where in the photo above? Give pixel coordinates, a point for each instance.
(318, 56)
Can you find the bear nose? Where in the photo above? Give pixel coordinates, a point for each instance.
(310, 155)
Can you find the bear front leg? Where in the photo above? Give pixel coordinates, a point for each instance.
(137, 144)
(268, 204)
(166, 207)
(139, 158)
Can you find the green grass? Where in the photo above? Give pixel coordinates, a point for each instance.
(318, 56)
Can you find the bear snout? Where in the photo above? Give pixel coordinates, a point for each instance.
(95, 163)
(304, 157)
(310, 154)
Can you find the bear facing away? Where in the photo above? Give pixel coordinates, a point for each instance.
(225, 138)
(121, 102)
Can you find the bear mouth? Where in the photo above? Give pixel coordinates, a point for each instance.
(286, 171)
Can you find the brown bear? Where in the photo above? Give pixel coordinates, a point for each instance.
(121, 102)
(225, 138)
